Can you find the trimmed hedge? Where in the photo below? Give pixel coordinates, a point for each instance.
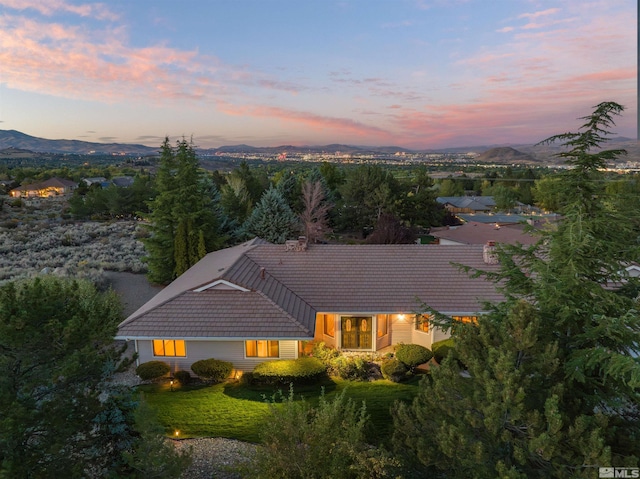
(441, 349)
(413, 355)
(152, 370)
(183, 377)
(212, 369)
(393, 370)
(286, 371)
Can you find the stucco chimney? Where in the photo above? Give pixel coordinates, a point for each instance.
(489, 253)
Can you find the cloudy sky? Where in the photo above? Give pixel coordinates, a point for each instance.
(411, 73)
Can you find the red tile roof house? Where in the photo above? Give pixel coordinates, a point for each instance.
(258, 301)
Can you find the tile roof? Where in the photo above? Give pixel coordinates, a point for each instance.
(287, 288)
(475, 232)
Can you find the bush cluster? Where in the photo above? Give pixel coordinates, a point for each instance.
(441, 349)
(289, 371)
(412, 355)
(352, 368)
(183, 377)
(152, 370)
(324, 353)
(394, 370)
(212, 369)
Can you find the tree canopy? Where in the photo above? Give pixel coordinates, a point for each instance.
(552, 382)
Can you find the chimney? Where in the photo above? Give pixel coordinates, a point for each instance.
(296, 245)
(262, 273)
(489, 253)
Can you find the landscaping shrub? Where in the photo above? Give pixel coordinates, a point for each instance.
(412, 355)
(289, 371)
(183, 377)
(350, 368)
(324, 353)
(394, 370)
(212, 369)
(152, 370)
(441, 349)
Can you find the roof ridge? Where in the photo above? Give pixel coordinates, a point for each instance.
(287, 313)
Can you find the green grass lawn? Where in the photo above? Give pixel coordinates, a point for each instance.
(237, 411)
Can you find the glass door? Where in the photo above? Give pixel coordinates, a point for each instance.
(356, 332)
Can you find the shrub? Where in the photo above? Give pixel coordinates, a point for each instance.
(183, 377)
(394, 370)
(324, 353)
(289, 371)
(441, 349)
(350, 368)
(212, 369)
(412, 355)
(327, 440)
(152, 370)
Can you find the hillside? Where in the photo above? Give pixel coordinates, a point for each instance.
(505, 154)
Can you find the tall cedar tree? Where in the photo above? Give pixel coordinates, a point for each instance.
(62, 416)
(272, 219)
(185, 215)
(553, 379)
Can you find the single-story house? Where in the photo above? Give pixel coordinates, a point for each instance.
(51, 187)
(259, 301)
(467, 204)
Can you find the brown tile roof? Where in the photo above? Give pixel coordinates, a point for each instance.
(221, 314)
(287, 288)
(477, 233)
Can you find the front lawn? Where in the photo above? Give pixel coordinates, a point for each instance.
(237, 411)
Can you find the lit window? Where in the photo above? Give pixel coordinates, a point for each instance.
(169, 347)
(466, 319)
(329, 325)
(383, 325)
(422, 322)
(262, 349)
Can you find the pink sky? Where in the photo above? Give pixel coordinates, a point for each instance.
(416, 74)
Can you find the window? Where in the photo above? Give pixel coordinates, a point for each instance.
(383, 325)
(262, 349)
(422, 322)
(329, 322)
(169, 347)
(466, 319)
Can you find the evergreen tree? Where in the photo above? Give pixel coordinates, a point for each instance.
(185, 214)
(62, 415)
(272, 219)
(552, 379)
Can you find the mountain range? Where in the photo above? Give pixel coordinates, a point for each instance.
(14, 143)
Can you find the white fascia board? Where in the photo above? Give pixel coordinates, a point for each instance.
(220, 281)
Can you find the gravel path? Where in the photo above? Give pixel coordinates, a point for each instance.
(215, 457)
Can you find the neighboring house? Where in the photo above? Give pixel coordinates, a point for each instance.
(259, 301)
(122, 181)
(467, 204)
(479, 233)
(51, 187)
(96, 180)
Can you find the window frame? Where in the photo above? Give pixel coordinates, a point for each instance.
(422, 323)
(164, 348)
(328, 319)
(268, 347)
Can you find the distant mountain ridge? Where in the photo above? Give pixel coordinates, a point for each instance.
(12, 139)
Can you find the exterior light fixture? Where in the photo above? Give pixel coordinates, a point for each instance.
(171, 387)
(177, 433)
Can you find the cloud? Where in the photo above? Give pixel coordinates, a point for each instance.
(541, 13)
(94, 10)
(505, 30)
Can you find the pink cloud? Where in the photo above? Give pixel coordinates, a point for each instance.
(95, 10)
(541, 13)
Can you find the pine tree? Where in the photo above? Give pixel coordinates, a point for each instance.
(272, 219)
(185, 214)
(552, 378)
(62, 413)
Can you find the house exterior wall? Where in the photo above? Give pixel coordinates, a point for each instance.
(232, 351)
(422, 338)
(400, 329)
